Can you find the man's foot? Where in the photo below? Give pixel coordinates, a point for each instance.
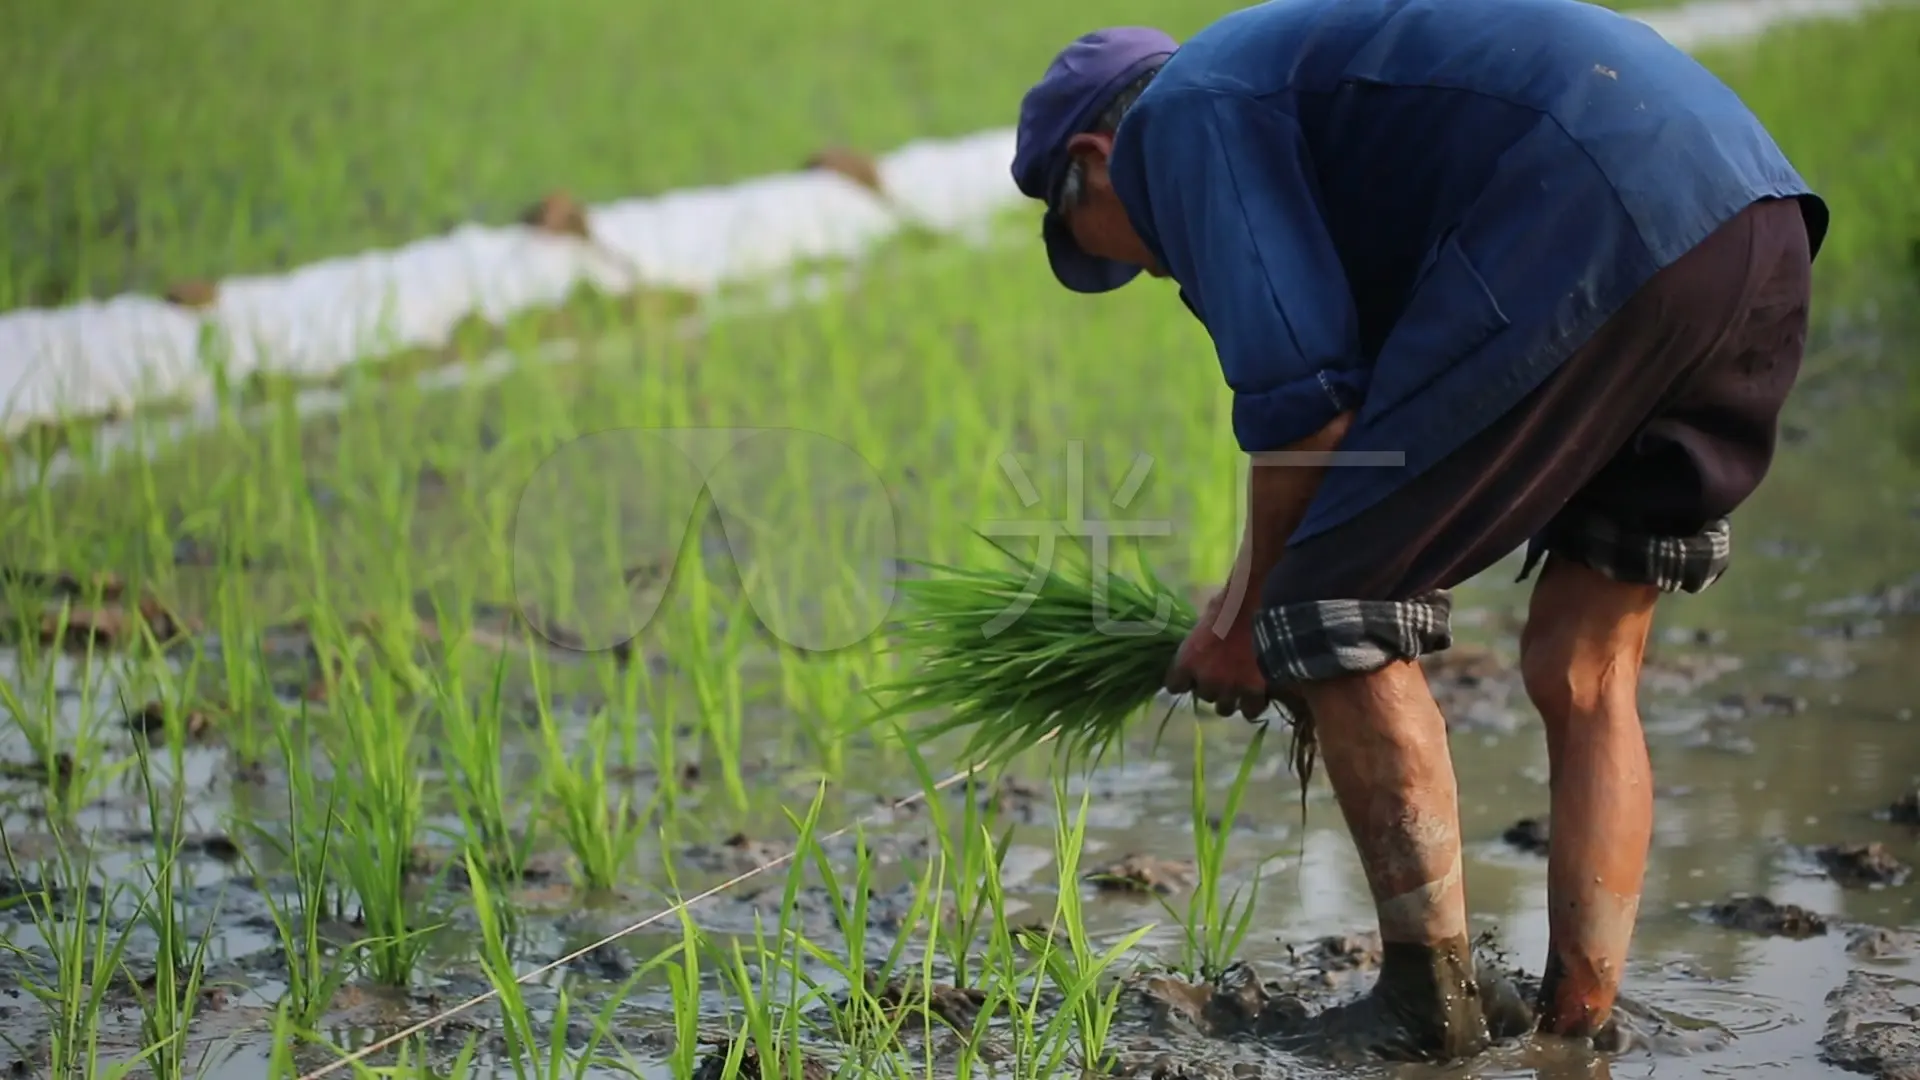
(1508, 998)
(1509, 1012)
(1426, 1006)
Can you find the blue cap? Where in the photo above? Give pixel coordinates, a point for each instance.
(1080, 82)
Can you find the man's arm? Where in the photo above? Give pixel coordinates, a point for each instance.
(1278, 493)
(1223, 188)
(1226, 194)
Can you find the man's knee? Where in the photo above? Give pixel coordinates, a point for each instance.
(1373, 694)
(1581, 649)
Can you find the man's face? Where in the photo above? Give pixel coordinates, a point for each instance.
(1099, 222)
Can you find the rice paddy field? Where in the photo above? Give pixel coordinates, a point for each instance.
(516, 721)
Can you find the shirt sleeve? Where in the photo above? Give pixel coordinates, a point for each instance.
(1231, 209)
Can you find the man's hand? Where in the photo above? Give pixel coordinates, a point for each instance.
(1220, 669)
(1217, 665)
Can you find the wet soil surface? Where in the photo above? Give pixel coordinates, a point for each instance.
(1780, 931)
(1138, 858)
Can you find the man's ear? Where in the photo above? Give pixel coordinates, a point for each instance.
(1091, 144)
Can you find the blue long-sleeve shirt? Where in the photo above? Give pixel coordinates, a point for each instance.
(1417, 209)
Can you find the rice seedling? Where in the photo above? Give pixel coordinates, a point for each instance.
(74, 920)
(684, 987)
(950, 359)
(1213, 927)
(283, 1035)
(171, 996)
(72, 764)
(474, 743)
(245, 688)
(976, 856)
(1077, 1031)
(1012, 655)
(766, 990)
(380, 823)
(634, 697)
(315, 971)
(863, 1021)
(524, 1035)
(600, 828)
(712, 663)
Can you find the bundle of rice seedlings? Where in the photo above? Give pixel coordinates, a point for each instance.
(1021, 654)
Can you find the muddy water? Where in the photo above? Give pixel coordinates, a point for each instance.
(1783, 714)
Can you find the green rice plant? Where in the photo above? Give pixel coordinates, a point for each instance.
(666, 756)
(473, 742)
(601, 829)
(863, 1022)
(314, 972)
(684, 987)
(73, 768)
(819, 693)
(284, 1033)
(87, 952)
(1077, 1030)
(713, 664)
(413, 1059)
(634, 695)
(524, 1034)
(976, 856)
(766, 990)
(244, 679)
(1014, 654)
(1214, 927)
(382, 819)
(171, 998)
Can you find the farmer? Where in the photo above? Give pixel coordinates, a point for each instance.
(1541, 279)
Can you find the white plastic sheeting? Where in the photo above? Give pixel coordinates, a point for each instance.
(100, 355)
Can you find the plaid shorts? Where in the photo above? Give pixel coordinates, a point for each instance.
(1672, 564)
(1325, 639)
(1664, 419)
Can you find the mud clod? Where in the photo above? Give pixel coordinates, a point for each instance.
(1017, 800)
(714, 1065)
(1862, 866)
(216, 846)
(193, 293)
(1685, 672)
(62, 772)
(1338, 955)
(860, 168)
(151, 719)
(734, 855)
(558, 212)
(1164, 1066)
(608, 962)
(1905, 810)
(1237, 1005)
(108, 623)
(1529, 835)
(1744, 706)
(1474, 687)
(958, 1007)
(1142, 874)
(1871, 1030)
(1880, 943)
(1760, 915)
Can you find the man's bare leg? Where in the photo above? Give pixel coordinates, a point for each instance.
(1581, 654)
(1384, 747)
